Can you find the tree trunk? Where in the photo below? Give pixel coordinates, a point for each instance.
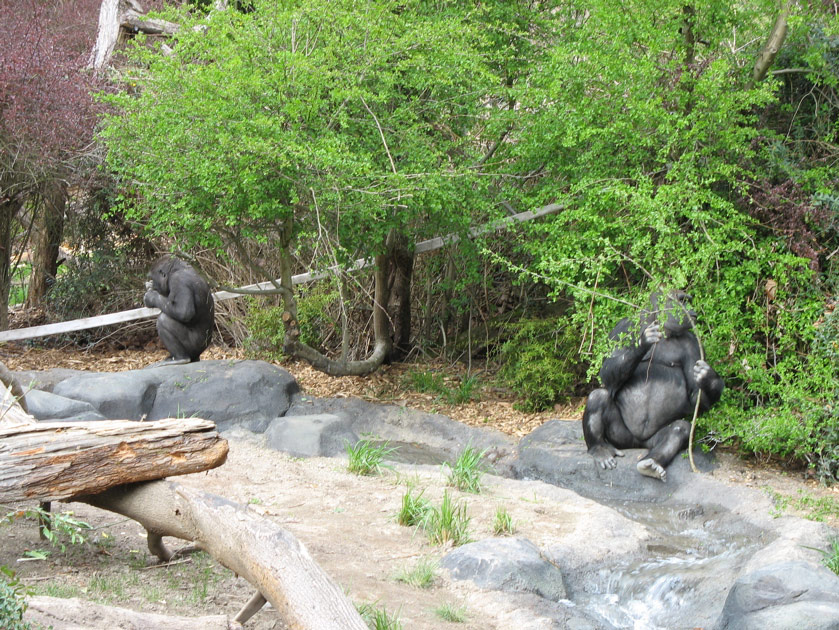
(45, 240)
(251, 546)
(52, 461)
(292, 345)
(9, 209)
(773, 45)
(402, 260)
(121, 14)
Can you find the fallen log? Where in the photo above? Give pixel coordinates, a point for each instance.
(52, 461)
(76, 614)
(253, 547)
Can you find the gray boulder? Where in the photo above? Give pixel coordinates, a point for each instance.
(788, 596)
(317, 435)
(556, 453)
(421, 438)
(116, 396)
(45, 405)
(249, 394)
(44, 380)
(506, 564)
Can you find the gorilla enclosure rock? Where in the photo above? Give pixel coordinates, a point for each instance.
(506, 564)
(782, 597)
(420, 437)
(318, 435)
(44, 405)
(249, 394)
(556, 453)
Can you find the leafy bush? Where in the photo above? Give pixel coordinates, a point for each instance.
(430, 382)
(12, 601)
(540, 362)
(267, 333)
(102, 281)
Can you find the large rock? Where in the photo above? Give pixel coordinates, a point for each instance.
(787, 596)
(318, 435)
(244, 393)
(506, 564)
(556, 453)
(44, 405)
(420, 437)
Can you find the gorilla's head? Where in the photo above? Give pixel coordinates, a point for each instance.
(160, 272)
(676, 315)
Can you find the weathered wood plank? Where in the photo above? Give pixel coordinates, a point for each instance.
(140, 313)
(51, 461)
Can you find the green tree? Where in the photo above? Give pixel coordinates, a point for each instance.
(354, 122)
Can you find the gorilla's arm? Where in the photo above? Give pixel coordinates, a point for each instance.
(699, 375)
(179, 304)
(621, 365)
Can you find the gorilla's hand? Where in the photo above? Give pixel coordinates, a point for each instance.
(701, 370)
(152, 299)
(651, 334)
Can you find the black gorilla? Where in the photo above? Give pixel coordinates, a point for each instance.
(187, 316)
(649, 388)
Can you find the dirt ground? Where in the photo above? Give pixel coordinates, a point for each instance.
(347, 522)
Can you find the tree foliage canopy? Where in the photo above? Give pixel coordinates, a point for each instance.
(355, 118)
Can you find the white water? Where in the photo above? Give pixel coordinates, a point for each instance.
(681, 585)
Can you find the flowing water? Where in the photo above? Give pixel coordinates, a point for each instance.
(681, 584)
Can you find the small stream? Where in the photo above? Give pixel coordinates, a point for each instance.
(692, 560)
(683, 582)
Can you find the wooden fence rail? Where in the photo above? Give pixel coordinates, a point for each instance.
(84, 323)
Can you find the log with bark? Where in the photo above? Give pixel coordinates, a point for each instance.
(51, 461)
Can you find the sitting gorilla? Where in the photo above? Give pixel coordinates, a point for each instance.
(186, 320)
(649, 387)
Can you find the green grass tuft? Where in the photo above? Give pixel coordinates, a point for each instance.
(465, 474)
(366, 457)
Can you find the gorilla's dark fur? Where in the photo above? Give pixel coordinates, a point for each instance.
(648, 389)
(185, 324)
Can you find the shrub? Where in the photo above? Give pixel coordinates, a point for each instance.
(265, 323)
(540, 362)
(429, 382)
(12, 601)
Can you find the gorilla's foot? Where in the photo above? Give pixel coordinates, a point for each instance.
(651, 468)
(604, 455)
